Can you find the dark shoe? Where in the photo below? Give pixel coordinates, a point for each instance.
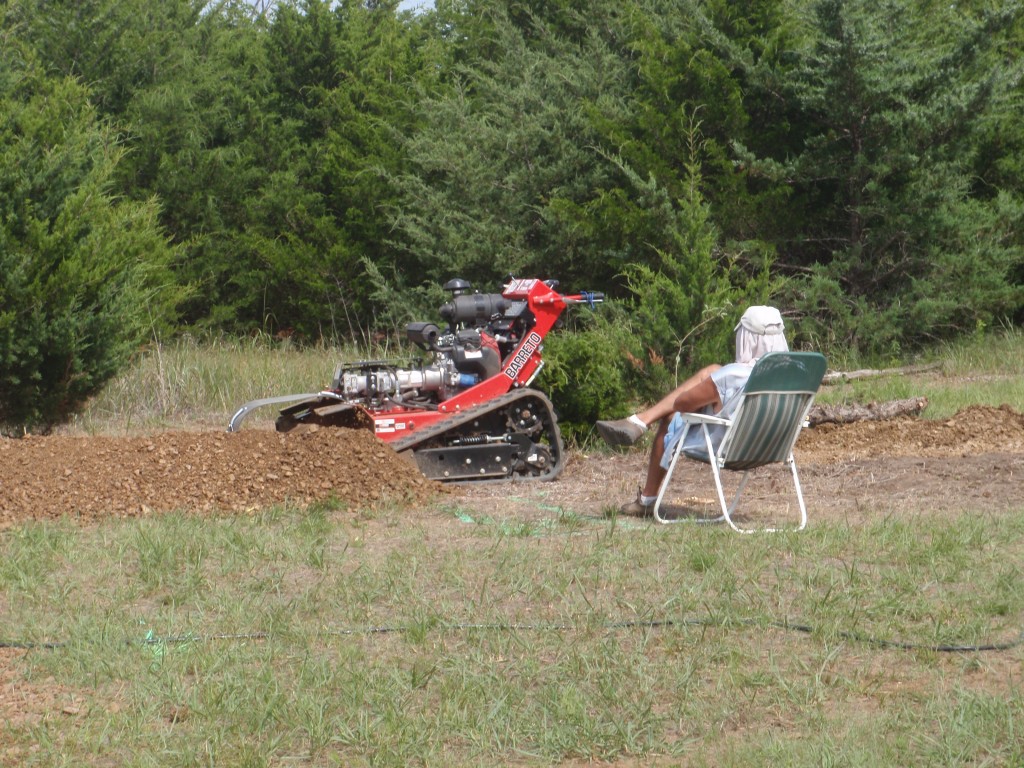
(619, 432)
(636, 509)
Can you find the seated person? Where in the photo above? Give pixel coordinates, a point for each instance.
(713, 389)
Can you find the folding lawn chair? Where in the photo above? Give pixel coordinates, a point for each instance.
(764, 429)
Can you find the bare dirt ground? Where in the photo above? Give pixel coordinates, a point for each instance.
(925, 464)
(849, 472)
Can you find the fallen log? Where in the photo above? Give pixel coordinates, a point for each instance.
(838, 377)
(845, 414)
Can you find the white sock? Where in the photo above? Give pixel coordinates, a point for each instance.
(647, 500)
(634, 419)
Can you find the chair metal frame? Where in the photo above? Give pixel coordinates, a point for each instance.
(746, 445)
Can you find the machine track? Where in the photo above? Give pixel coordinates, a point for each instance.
(514, 436)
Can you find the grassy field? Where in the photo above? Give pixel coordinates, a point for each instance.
(405, 637)
(395, 637)
(985, 371)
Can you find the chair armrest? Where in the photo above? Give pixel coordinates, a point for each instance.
(703, 418)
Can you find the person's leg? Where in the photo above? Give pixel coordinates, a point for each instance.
(693, 394)
(696, 393)
(627, 431)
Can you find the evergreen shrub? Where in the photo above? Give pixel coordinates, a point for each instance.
(84, 278)
(595, 370)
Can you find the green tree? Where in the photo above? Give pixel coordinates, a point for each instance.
(505, 151)
(896, 247)
(533, 162)
(722, 64)
(84, 277)
(201, 139)
(543, 157)
(342, 83)
(182, 81)
(268, 140)
(271, 147)
(116, 47)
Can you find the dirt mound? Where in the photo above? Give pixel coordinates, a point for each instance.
(974, 430)
(90, 477)
(198, 472)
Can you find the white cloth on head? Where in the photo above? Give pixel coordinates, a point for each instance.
(764, 321)
(759, 332)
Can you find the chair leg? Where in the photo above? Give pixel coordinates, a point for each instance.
(727, 508)
(676, 452)
(799, 494)
(728, 511)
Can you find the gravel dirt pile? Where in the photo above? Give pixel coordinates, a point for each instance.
(90, 477)
(974, 430)
(207, 472)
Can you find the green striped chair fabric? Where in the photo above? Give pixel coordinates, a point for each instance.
(768, 430)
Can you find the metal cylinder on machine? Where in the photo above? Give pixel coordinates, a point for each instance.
(473, 309)
(391, 382)
(476, 360)
(422, 334)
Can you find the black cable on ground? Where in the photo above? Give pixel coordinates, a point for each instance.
(627, 624)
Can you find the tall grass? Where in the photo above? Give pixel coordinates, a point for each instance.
(192, 382)
(985, 370)
(189, 382)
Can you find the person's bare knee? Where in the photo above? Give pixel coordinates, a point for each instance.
(702, 394)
